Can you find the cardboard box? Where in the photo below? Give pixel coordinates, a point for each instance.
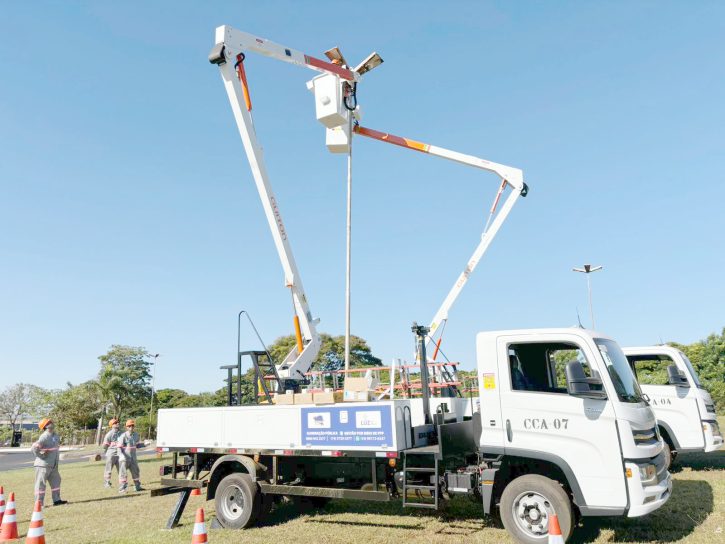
(356, 396)
(303, 398)
(283, 398)
(324, 398)
(356, 384)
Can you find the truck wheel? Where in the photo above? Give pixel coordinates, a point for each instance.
(527, 504)
(670, 454)
(237, 501)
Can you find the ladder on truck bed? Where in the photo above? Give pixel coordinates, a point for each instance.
(265, 372)
(433, 485)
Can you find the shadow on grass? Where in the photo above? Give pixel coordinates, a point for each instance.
(690, 504)
(462, 517)
(701, 461)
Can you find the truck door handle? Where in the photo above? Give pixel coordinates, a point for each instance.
(509, 433)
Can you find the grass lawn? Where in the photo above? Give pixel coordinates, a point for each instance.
(695, 513)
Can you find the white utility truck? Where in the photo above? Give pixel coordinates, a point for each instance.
(684, 409)
(561, 428)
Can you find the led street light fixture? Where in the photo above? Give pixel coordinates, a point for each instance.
(369, 63)
(335, 56)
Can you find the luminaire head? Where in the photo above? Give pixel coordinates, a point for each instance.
(335, 56)
(587, 269)
(370, 62)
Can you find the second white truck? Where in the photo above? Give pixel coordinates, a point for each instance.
(684, 409)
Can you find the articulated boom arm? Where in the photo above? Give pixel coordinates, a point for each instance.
(228, 54)
(512, 177)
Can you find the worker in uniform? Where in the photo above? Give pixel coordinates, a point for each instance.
(127, 446)
(46, 451)
(110, 447)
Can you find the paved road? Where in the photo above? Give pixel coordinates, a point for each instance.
(12, 461)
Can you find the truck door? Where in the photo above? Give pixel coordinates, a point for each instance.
(542, 419)
(675, 407)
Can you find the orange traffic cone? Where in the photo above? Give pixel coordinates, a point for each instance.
(9, 527)
(195, 492)
(2, 503)
(36, 532)
(199, 534)
(555, 531)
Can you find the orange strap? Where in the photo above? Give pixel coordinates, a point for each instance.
(243, 79)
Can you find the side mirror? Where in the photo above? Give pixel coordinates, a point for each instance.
(676, 377)
(578, 385)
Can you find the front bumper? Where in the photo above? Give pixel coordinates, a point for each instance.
(713, 436)
(647, 497)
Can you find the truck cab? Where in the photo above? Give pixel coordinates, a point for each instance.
(684, 409)
(564, 404)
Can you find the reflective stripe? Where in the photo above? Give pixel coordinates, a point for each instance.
(55, 488)
(36, 532)
(199, 529)
(9, 518)
(37, 516)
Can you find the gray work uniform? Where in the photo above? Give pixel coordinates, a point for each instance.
(127, 457)
(46, 451)
(110, 446)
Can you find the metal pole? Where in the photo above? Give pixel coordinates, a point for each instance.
(591, 311)
(421, 334)
(349, 246)
(153, 389)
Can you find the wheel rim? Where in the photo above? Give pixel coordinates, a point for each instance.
(232, 502)
(531, 512)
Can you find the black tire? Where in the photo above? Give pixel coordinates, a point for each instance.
(670, 453)
(545, 497)
(237, 501)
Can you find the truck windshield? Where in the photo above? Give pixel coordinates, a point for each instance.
(619, 370)
(689, 366)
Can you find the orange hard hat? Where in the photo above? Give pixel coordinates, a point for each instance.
(44, 423)
(131, 422)
(114, 421)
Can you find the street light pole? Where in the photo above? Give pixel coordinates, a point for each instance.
(153, 390)
(588, 269)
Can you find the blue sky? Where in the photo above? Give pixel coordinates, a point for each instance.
(128, 212)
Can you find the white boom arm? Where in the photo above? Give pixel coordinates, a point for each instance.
(228, 54)
(513, 177)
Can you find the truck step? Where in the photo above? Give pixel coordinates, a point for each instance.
(420, 505)
(428, 487)
(430, 470)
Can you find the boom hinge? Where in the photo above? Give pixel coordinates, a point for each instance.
(216, 56)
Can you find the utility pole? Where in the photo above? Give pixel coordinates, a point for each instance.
(153, 390)
(588, 269)
(349, 247)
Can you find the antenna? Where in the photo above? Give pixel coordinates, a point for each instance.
(578, 318)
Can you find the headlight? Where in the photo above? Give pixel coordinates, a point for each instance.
(647, 473)
(711, 426)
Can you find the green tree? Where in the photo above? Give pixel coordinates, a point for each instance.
(20, 400)
(124, 380)
(332, 352)
(77, 407)
(708, 358)
(169, 398)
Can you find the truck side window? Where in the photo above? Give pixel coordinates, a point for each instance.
(541, 366)
(651, 369)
